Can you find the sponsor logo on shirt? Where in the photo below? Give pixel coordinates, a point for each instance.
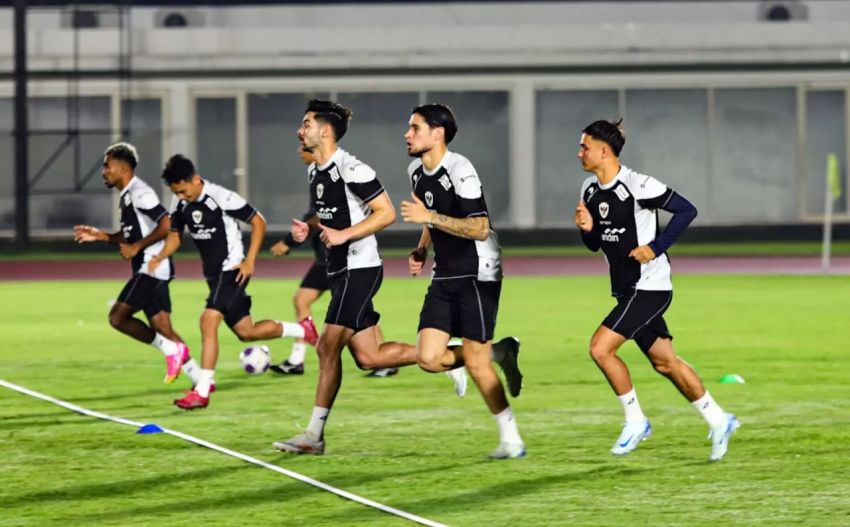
(326, 213)
(202, 234)
(612, 235)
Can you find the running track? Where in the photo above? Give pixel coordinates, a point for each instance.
(514, 266)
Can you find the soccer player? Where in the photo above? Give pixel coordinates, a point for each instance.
(352, 206)
(210, 212)
(144, 225)
(617, 213)
(463, 297)
(313, 285)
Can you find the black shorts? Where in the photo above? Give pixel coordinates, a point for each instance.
(229, 297)
(316, 277)
(351, 298)
(462, 307)
(143, 292)
(639, 316)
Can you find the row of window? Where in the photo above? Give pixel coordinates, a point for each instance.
(741, 155)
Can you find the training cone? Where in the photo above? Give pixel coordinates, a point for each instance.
(732, 378)
(149, 429)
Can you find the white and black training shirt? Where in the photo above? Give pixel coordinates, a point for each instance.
(625, 216)
(211, 220)
(141, 212)
(340, 191)
(453, 189)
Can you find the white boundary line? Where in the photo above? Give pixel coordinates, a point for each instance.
(227, 451)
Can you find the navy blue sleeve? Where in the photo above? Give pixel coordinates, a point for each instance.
(178, 222)
(683, 214)
(591, 239)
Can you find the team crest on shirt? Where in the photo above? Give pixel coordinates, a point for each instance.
(429, 198)
(603, 209)
(445, 182)
(197, 216)
(320, 189)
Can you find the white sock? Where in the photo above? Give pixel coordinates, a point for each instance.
(455, 342)
(710, 410)
(167, 347)
(205, 380)
(296, 356)
(291, 329)
(317, 421)
(508, 431)
(192, 370)
(631, 407)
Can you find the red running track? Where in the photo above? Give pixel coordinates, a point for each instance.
(514, 266)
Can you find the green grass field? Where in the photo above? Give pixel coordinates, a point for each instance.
(409, 442)
(577, 249)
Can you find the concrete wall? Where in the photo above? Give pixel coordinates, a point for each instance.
(747, 144)
(453, 35)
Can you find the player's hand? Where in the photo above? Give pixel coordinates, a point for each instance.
(643, 254)
(280, 249)
(86, 233)
(300, 230)
(416, 260)
(332, 237)
(583, 219)
(128, 250)
(153, 263)
(415, 211)
(246, 269)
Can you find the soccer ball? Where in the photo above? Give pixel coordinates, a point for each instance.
(255, 359)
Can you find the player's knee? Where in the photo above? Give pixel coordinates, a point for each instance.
(431, 366)
(364, 362)
(245, 335)
(478, 367)
(663, 367)
(599, 353)
(208, 322)
(116, 320)
(429, 362)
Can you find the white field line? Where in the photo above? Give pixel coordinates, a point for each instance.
(227, 451)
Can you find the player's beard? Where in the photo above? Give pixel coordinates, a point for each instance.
(416, 153)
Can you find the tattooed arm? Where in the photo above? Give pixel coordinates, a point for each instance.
(476, 228)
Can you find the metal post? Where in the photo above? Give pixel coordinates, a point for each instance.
(21, 127)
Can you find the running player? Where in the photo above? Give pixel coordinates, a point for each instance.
(463, 298)
(618, 214)
(313, 285)
(144, 225)
(210, 212)
(351, 205)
